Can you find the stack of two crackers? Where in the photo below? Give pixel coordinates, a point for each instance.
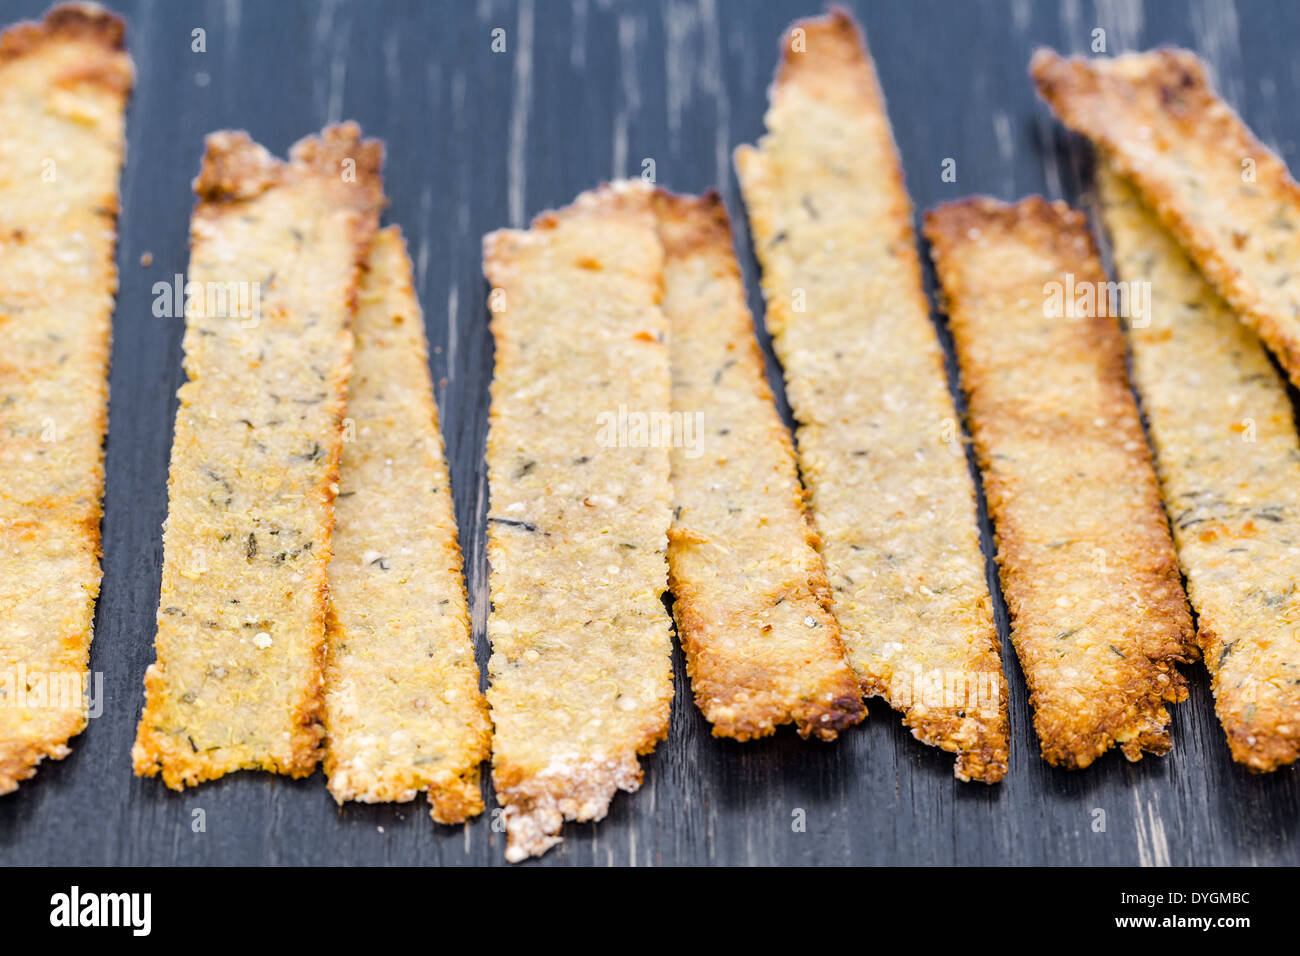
(1095, 525)
(313, 607)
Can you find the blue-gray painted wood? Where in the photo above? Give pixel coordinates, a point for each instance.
(477, 140)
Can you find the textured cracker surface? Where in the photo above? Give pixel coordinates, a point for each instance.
(578, 519)
(751, 595)
(879, 444)
(1098, 614)
(1157, 119)
(241, 620)
(1229, 465)
(63, 90)
(403, 709)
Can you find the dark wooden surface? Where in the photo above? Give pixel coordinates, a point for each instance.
(477, 140)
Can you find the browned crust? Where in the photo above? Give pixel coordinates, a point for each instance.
(751, 667)
(458, 800)
(1161, 125)
(837, 72)
(1144, 617)
(234, 168)
(696, 224)
(68, 21)
(20, 758)
(221, 192)
(83, 26)
(834, 73)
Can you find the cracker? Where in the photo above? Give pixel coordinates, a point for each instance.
(752, 601)
(1229, 465)
(579, 514)
(1098, 614)
(879, 444)
(241, 622)
(64, 84)
(403, 709)
(1223, 195)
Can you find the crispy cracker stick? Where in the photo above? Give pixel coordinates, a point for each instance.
(752, 600)
(63, 90)
(1229, 464)
(579, 514)
(403, 710)
(1225, 197)
(241, 617)
(880, 450)
(1098, 614)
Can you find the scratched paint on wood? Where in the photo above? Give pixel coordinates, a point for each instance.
(480, 139)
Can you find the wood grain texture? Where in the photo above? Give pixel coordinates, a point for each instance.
(479, 140)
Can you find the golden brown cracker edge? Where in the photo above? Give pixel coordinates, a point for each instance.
(792, 672)
(1131, 714)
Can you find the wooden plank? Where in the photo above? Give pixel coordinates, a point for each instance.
(680, 84)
